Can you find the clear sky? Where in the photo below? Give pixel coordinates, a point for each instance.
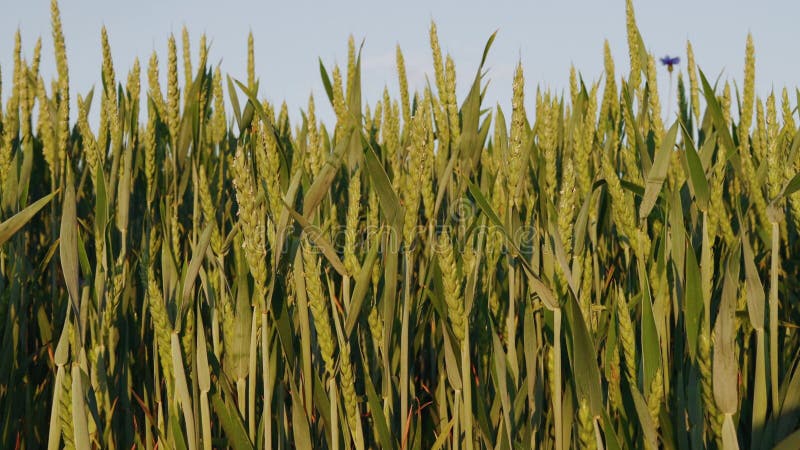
(290, 36)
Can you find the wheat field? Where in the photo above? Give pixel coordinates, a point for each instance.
(197, 271)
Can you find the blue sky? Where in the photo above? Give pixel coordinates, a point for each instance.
(547, 36)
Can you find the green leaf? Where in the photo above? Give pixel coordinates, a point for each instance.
(101, 204)
(715, 109)
(266, 119)
(68, 246)
(198, 255)
(484, 205)
(80, 426)
(391, 264)
(12, 225)
(61, 355)
(760, 402)
(649, 431)
(390, 203)
(451, 361)
(182, 389)
(377, 415)
(300, 430)
(444, 434)
(651, 350)
(791, 187)
(693, 302)
(470, 144)
(124, 189)
(175, 431)
(678, 247)
(320, 241)
(362, 284)
(709, 148)
(248, 113)
(302, 319)
(658, 173)
(725, 368)
(283, 221)
(55, 431)
(487, 46)
(586, 373)
(326, 81)
(545, 294)
(237, 111)
(790, 404)
(609, 430)
(322, 183)
(791, 442)
(499, 357)
(756, 298)
(696, 173)
(231, 423)
(581, 223)
(203, 369)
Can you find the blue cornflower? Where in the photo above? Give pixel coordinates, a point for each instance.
(669, 62)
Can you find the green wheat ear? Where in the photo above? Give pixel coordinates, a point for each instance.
(452, 286)
(319, 306)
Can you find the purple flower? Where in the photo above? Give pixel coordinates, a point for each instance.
(669, 62)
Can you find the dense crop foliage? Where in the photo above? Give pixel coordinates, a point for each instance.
(424, 273)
